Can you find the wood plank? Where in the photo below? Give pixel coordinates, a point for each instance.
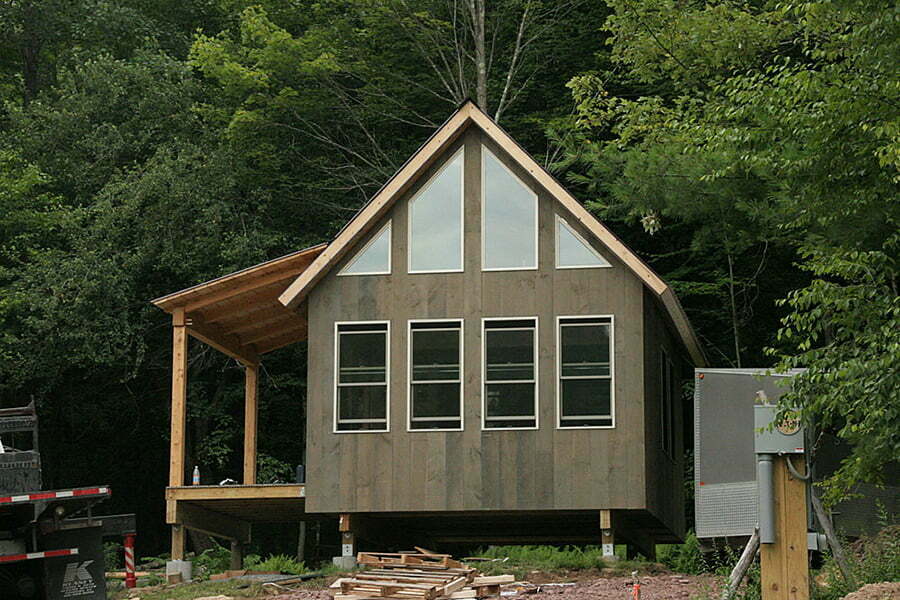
(251, 420)
(283, 329)
(179, 399)
(784, 564)
(493, 580)
(235, 492)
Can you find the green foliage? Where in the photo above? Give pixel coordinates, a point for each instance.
(211, 561)
(872, 559)
(545, 558)
(113, 556)
(280, 563)
(684, 558)
(231, 589)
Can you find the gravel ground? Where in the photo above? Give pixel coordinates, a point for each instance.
(653, 587)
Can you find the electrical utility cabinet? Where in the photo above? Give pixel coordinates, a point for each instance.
(727, 416)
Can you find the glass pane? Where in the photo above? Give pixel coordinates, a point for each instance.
(435, 400)
(435, 222)
(510, 354)
(362, 357)
(509, 399)
(573, 251)
(362, 402)
(585, 397)
(585, 350)
(374, 258)
(510, 218)
(435, 355)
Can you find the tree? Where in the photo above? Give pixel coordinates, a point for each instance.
(788, 114)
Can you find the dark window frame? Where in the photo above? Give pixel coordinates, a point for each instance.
(514, 324)
(421, 325)
(599, 421)
(342, 328)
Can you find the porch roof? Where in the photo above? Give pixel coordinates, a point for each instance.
(239, 313)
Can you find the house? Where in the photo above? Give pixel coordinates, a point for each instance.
(487, 363)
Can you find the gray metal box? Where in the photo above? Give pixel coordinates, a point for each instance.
(784, 438)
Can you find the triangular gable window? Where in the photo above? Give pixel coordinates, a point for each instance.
(572, 251)
(436, 221)
(509, 218)
(374, 258)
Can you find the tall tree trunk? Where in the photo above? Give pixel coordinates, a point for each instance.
(734, 316)
(477, 11)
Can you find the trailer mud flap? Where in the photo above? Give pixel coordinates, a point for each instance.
(78, 577)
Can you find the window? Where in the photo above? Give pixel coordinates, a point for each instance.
(510, 377)
(435, 222)
(667, 388)
(435, 375)
(509, 218)
(573, 251)
(585, 372)
(361, 394)
(374, 258)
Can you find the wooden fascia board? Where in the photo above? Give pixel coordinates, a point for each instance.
(683, 327)
(296, 260)
(235, 492)
(377, 207)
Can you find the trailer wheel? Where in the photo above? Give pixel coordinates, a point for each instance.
(17, 583)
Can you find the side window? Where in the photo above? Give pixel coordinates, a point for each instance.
(667, 390)
(510, 374)
(509, 218)
(573, 251)
(436, 223)
(361, 378)
(374, 258)
(435, 375)
(585, 372)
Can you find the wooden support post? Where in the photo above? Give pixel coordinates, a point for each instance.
(237, 556)
(178, 544)
(606, 535)
(179, 398)
(785, 564)
(251, 413)
(348, 535)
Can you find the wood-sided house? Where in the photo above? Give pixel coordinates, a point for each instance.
(487, 363)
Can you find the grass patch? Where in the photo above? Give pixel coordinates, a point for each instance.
(236, 589)
(520, 559)
(281, 563)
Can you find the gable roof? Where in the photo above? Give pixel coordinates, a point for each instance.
(465, 116)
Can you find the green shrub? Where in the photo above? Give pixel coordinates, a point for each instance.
(281, 563)
(112, 556)
(870, 559)
(685, 558)
(213, 560)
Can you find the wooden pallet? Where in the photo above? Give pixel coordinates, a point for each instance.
(389, 559)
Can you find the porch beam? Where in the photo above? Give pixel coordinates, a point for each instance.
(251, 419)
(224, 343)
(211, 522)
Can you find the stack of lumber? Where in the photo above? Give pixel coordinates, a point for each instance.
(415, 576)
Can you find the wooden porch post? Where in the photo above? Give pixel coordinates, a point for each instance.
(251, 413)
(606, 535)
(179, 418)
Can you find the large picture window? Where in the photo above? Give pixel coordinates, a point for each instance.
(436, 223)
(361, 378)
(435, 375)
(510, 374)
(584, 352)
(509, 218)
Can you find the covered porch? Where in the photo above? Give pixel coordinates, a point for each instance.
(239, 315)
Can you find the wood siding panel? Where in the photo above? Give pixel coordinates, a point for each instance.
(474, 469)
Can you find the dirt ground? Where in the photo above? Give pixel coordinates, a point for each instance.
(876, 591)
(653, 587)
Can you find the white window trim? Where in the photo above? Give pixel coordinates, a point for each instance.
(462, 374)
(387, 226)
(537, 415)
(537, 226)
(612, 371)
(462, 216)
(560, 221)
(387, 376)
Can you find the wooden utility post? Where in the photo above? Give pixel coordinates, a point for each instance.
(785, 564)
(251, 412)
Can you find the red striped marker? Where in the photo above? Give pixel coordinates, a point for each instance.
(55, 495)
(130, 579)
(34, 555)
